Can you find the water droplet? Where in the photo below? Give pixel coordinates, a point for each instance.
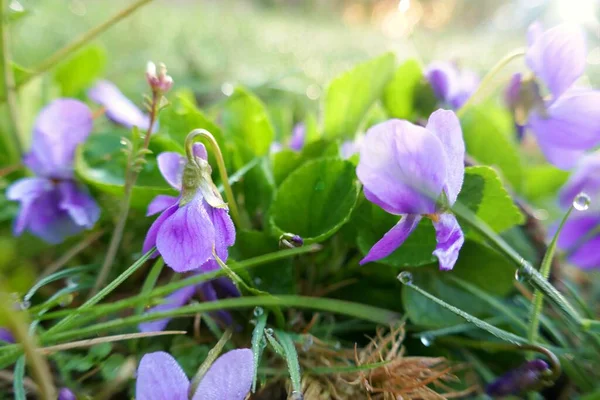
(427, 340)
(72, 281)
(269, 331)
(405, 277)
(258, 311)
(518, 276)
(16, 6)
(24, 305)
(308, 342)
(522, 274)
(296, 395)
(227, 89)
(582, 202)
(337, 346)
(124, 142)
(257, 281)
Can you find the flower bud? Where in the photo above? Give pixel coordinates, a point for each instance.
(160, 82)
(527, 377)
(290, 240)
(66, 394)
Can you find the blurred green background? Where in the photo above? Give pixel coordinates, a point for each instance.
(290, 44)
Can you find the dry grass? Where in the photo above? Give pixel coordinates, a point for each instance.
(400, 377)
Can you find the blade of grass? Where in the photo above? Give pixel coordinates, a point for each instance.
(355, 310)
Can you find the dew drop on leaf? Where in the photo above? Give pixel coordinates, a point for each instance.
(258, 311)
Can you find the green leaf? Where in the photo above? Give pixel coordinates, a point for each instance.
(373, 222)
(286, 160)
(81, 70)
(291, 358)
(350, 95)
(408, 94)
(315, 200)
(543, 181)
(483, 193)
(19, 377)
(488, 134)
(258, 343)
(181, 117)
(485, 268)
(275, 277)
(110, 367)
(101, 164)
(247, 122)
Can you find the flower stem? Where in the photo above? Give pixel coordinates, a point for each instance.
(204, 134)
(538, 296)
(488, 80)
(10, 90)
(131, 175)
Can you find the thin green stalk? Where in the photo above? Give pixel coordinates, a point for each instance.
(538, 296)
(10, 89)
(150, 282)
(488, 79)
(524, 267)
(131, 176)
(406, 279)
(355, 310)
(204, 134)
(105, 309)
(78, 43)
(64, 323)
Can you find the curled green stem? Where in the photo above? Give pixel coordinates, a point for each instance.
(488, 80)
(204, 134)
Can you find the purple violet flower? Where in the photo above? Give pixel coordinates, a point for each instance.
(585, 178)
(196, 223)
(119, 108)
(297, 140)
(527, 377)
(6, 336)
(566, 123)
(159, 377)
(452, 86)
(580, 239)
(580, 236)
(406, 169)
(53, 204)
(210, 291)
(298, 137)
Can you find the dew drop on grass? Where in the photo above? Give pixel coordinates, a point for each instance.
(308, 342)
(427, 340)
(582, 202)
(295, 395)
(269, 331)
(405, 277)
(258, 311)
